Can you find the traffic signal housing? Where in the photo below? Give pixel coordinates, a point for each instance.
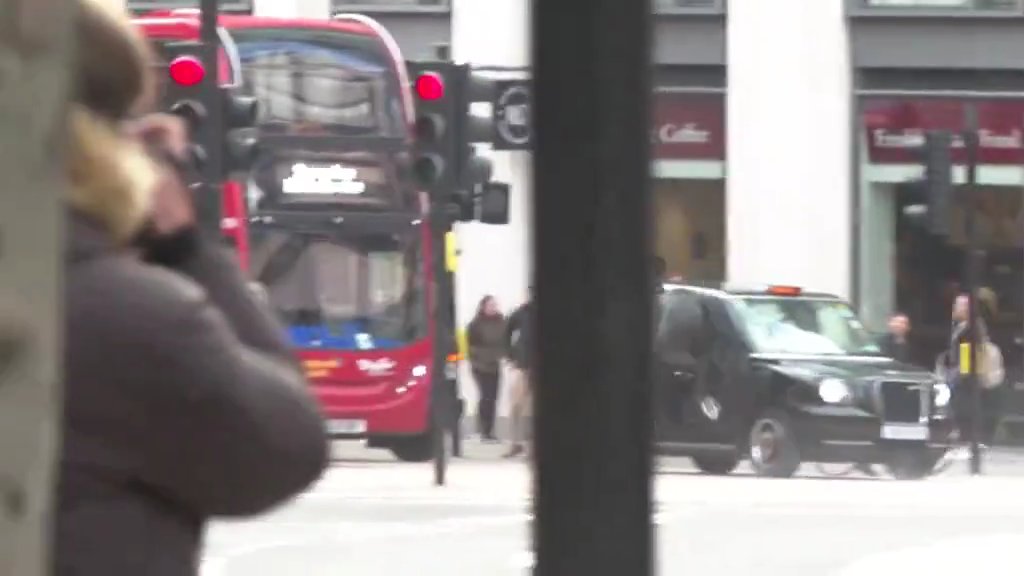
(937, 157)
(474, 170)
(241, 145)
(446, 162)
(183, 97)
(436, 145)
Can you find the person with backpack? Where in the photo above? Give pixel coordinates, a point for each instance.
(990, 370)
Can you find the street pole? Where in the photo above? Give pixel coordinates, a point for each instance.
(593, 451)
(35, 52)
(973, 282)
(211, 133)
(440, 400)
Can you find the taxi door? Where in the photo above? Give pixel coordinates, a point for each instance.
(720, 387)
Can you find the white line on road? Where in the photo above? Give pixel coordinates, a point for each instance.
(945, 557)
(216, 563)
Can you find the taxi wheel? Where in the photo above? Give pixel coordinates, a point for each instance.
(911, 464)
(773, 449)
(718, 465)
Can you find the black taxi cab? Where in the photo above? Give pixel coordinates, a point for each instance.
(779, 376)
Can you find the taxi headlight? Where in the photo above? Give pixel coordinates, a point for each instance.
(942, 394)
(833, 391)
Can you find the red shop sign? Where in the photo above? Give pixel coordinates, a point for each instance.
(688, 127)
(895, 128)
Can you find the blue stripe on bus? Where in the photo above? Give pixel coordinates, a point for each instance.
(345, 337)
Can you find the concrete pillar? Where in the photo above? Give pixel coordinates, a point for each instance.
(495, 259)
(292, 8)
(788, 203)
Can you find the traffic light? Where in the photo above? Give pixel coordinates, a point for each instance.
(434, 163)
(474, 171)
(183, 97)
(446, 163)
(937, 157)
(241, 145)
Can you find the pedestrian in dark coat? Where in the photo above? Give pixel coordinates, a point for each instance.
(182, 400)
(487, 349)
(521, 345)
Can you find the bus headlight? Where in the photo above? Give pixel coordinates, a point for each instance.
(942, 394)
(833, 391)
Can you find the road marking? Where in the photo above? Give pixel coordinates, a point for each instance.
(216, 563)
(944, 557)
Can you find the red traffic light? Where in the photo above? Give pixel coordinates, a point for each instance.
(186, 71)
(429, 86)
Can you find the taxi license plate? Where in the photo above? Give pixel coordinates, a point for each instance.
(345, 426)
(905, 431)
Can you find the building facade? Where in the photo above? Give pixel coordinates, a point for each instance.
(783, 136)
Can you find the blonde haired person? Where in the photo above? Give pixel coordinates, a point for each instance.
(182, 400)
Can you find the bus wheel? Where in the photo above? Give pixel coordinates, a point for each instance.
(414, 449)
(773, 449)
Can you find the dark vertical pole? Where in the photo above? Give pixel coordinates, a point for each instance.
(439, 394)
(973, 282)
(211, 136)
(593, 289)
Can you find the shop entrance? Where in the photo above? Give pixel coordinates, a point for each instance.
(689, 220)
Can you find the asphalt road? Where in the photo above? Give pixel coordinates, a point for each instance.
(372, 516)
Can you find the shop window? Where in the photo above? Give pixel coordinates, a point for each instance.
(688, 136)
(902, 265)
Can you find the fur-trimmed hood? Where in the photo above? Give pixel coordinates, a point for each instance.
(111, 180)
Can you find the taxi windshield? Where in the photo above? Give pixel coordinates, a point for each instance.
(786, 325)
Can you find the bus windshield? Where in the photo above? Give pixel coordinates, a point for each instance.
(343, 292)
(783, 325)
(320, 81)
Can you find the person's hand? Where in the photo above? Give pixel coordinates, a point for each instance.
(161, 131)
(166, 135)
(172, 209)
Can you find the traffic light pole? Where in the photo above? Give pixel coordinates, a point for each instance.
(211, 135)
(442, 400)
(592, 67)
(972, 279)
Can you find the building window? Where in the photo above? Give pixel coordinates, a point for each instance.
(688, 136)
(902, 266)
(938, 7)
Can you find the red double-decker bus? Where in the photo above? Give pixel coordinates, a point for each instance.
(329, 221)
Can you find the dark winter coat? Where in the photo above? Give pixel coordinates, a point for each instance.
(487, 343)
(520, 336)
(182, 402)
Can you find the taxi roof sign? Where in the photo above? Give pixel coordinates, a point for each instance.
(784, 290)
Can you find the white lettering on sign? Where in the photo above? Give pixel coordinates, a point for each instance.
(379, 367)
(689, 133)
(334, 179)
(914, 138)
